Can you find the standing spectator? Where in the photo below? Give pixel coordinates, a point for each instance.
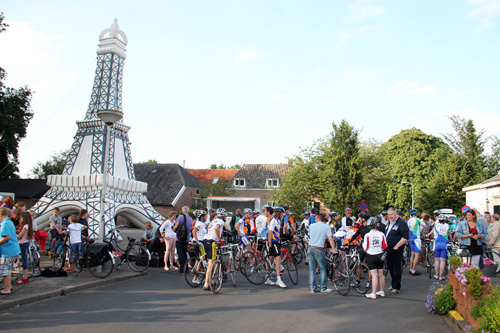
(170, 237)
(183, 229)
(484, 223)
(314, 213)
(347, 220)
(374, 244)
(234, 220)
(24, 238)
(318, 234)
(8, 202)
(9, 249)
(82, 219)
(470, 233)
(75, 241)
(397, 234)
(493, 238)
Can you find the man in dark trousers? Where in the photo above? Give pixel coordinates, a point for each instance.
(397, 233)
(235, 219)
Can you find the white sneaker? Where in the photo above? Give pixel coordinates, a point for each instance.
(196, 280)
(270, 282)
(281, 284)
(371, 296)
(380, 293)
(327, 290)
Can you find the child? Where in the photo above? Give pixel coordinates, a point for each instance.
(9, 249)
(24, 238)
(55, 228)
(75, 240)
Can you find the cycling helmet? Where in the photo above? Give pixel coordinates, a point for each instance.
(279, 209)
(413, 211)
(256, 211)
(199, 213)
(357, 224)
(442, 217)
(285, 208)
(372, 223)
(333, 214)
(348, 210)
(364, 215)
(384, 213)
(247, 211)
(314, 210)
(291, 214)
(437, 212)
(307, 214)
(221, 212)
(211, 210)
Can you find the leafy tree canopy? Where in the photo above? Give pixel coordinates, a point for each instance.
(222, 166)
(53, 166)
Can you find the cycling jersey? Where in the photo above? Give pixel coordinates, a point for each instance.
(312, 219)
(261, 226)
(415, 227)
(306, 226)
(274, 227)
(351, 231)
(211, 233)
(287, 228)
(201, 230)
(374, 242)
(244, 225)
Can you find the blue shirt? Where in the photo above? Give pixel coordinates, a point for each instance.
(11, 247)
(312, 219)
(318, 233)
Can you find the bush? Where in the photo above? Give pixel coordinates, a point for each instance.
(475, 282)
(489, 312)
(444, 302)
(455, 262)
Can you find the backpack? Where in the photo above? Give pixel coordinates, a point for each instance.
(182, 231)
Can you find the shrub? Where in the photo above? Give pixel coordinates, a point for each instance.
(455, 262)
(489, 312)
(475, 282)
(444, 302)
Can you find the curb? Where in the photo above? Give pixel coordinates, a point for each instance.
(67, 290)
(455, 321)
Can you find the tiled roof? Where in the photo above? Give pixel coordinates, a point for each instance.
(208, 175)
(165, 181)
(25, 188)
(257, 174)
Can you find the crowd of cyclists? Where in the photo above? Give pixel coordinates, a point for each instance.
(370, 235)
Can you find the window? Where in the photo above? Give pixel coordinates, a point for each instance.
(273, 182)
(239, 182)
(215, 180)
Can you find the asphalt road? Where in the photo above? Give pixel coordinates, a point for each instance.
(162, 301)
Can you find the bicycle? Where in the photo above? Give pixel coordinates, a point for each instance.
(228, 266)
(337, 273)
(34, 259)
(357, 270)
(135, 254)
(60, 252)
(97, 258)
(194, 270)
(429, 257)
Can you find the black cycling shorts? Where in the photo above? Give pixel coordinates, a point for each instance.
(374, 261)
(275, 249)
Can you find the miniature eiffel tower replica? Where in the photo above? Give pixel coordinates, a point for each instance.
(81, 184)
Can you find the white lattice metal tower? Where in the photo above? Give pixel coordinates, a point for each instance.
(81, 184)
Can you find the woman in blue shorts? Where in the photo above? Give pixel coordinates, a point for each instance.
(441, 236)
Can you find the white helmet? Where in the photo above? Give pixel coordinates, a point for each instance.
(247, 210)
(221, 212)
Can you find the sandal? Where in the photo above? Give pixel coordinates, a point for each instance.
(22, 280)
(2, 292)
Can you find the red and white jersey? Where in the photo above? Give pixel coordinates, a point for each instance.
(374, 242)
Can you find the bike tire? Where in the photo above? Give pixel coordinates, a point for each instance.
(340, 278)
(365, 278)
(59, 257)
(293, 272)
(216, 281)
(138, 257)
(190, 273)
(232, 273)
(100, 265)
(257, 269)
(35, 263)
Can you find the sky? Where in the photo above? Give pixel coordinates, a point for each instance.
(232, 81)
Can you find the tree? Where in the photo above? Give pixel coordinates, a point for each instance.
(341, 168)
(222, 166)
(493, 160)
(16, 115)
(53, 166)
(150, 162)
(411, 156)
(300, 186)
(218, 188)
(469, 143)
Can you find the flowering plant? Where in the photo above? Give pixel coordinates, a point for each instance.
(489, 262)
(440, 299)
(460, 273)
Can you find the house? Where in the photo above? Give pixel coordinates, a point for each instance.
(27, 190)
(485, 196)
(170, 186)
(253, 186)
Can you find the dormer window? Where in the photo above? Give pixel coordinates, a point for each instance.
(215, 180)
(239, 182)
(272, 182)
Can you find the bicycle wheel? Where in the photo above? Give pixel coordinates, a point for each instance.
(138, 257)
(34, 262)
(232, 272)
(365, 280)
(292, 272)
(216, 282)
(257, 269)
(340, 278)
(297, 255)
(59, 257)
(194, 277)
(101, 264)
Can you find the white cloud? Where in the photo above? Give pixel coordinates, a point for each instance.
(414, 88)
(248, 54)
(363, 9)
(486, 11)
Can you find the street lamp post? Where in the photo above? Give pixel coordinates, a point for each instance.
(412, 193)
(109, 117)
